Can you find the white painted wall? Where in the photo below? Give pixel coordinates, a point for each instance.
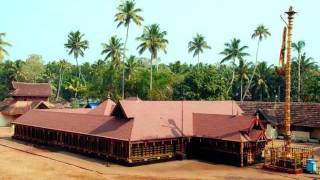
(271, 132)
(4, 120)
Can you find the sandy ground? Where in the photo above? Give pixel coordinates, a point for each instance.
(19, 160)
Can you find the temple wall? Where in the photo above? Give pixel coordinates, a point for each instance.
(157, 149)
(300, 135)
(271, 131)
(5, 120)
(82, 143)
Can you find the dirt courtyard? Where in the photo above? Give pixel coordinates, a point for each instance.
(19, 160)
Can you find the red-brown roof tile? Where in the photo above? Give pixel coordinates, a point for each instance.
(168, 119)
(225, 127)
(105, 108)
(70, 110)
(96, 125)
(145, 120)
(302, 113)
(21, 107)
(31, 89)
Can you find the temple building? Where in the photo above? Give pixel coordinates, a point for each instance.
(134, 131)
(305, 123)
(22, 98)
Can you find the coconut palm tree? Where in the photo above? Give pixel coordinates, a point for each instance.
(75, 85)
(197, 45)
(261, 79)
(3, 44)
(261, 32)
(233, 51)
(131, 67)
(63, 64)
(299, 47)
(152, 39)
(76, 46)
(113, 50)
(304, 64)
(127, 12)
(243, 73)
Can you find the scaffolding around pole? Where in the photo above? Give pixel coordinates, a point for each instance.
(276, 158)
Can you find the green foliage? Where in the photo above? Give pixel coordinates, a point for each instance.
(261, 32)
(152, 39)
(32, 70)
(203, 83)
(76, 86)
(75, 103)
(234, 51)
(197, 45)
(175, 81)
(113, 50)
(3, 45)
(127, 13)
(76, 46)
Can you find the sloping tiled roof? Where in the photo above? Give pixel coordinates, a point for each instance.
(105, 108)
(164, 119)
(145, 119)
(21, 107)
(225, 127)
(31, 89)
(98, 125)
(69, 110)
(133, 98)
(302, 114)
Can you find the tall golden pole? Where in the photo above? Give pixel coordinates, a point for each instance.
(287, 117)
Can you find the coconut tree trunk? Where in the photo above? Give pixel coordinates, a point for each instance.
(198, 61)
(75, 94)
(59, 85)
(157, 64)
(241, 81)
(233, 76)
(254, 72)
(79, 69)
(151, 76)
(124, 58)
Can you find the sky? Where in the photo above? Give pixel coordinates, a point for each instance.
(41, 26)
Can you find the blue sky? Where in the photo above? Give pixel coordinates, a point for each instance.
(42, 26)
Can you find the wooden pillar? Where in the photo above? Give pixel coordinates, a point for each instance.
(241, 154)
(129, 151)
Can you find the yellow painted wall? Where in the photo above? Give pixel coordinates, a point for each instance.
(300, 135)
